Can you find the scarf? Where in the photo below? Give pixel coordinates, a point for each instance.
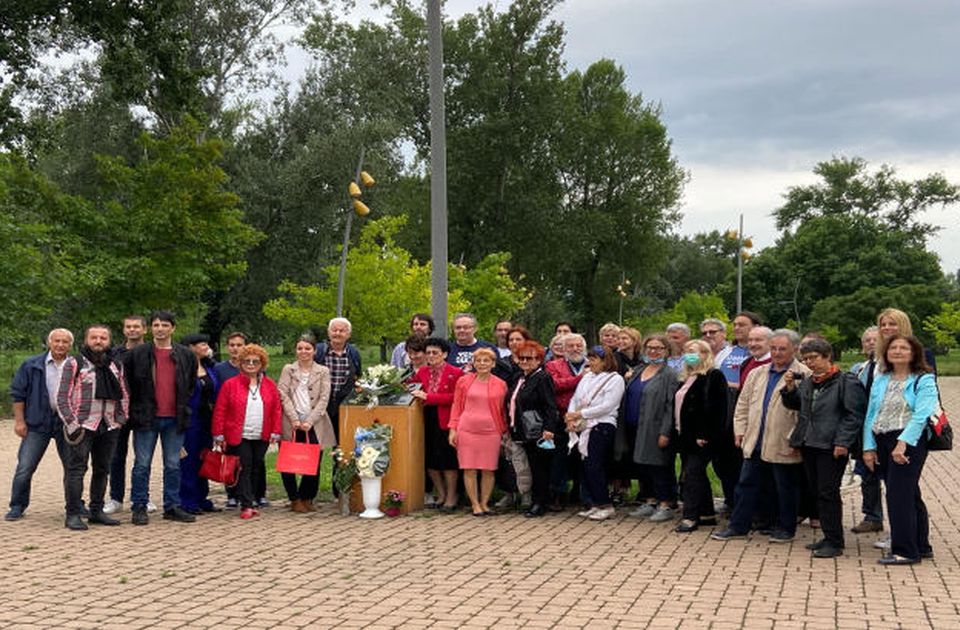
(108, 387)
(819, 379)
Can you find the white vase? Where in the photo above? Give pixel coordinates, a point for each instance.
(371, 497)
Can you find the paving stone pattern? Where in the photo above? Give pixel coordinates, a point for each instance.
(286, 570)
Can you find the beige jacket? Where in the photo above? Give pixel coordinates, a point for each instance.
(780, 420)
(319, 388)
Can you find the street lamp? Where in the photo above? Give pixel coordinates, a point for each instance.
(362, 210)
(743, 244)
(622, 292)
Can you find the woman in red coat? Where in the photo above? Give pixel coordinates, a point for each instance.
(247, 418)
(438, 380)
(476, 426)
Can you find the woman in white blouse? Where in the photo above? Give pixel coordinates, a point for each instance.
(304, 390)
(592, 424)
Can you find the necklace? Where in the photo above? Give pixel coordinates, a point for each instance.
(255, 390)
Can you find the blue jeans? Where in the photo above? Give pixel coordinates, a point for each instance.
(144, 443)
(31, 452)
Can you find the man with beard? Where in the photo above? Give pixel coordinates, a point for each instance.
(566, 374)
(161, 376)
(93, 401)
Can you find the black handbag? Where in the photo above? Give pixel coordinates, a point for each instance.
(531, 425)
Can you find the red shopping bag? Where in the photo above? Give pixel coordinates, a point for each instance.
(298, 458)
(218, 466)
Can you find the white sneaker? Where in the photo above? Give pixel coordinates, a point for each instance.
(151, 506)
(587, 513)
(112, 506)
(602, 514)
(883, 543)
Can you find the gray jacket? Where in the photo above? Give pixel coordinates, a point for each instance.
(656, 419)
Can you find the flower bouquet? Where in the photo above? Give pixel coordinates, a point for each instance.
(380, 383)
(369, 461)
(393, 502)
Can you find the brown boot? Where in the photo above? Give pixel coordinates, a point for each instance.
(295, 505)
(307, 506)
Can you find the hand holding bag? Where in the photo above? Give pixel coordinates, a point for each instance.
(220, 467)
(298, 458)
(941, 433)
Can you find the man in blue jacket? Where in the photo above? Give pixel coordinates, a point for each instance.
(35, 418)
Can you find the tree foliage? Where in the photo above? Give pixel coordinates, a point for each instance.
(385, 284)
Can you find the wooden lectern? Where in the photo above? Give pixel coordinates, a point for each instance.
(406, 471)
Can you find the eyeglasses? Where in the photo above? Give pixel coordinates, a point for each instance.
(526, 358)
(716, 331)
(251, 361)
(654, 348)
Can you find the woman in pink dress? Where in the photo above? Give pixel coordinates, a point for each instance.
(476, 427)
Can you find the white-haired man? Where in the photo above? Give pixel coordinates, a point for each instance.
(343, 361)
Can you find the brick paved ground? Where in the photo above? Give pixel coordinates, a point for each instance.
(322, 570)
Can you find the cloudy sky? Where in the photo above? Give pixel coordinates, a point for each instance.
(756, 92)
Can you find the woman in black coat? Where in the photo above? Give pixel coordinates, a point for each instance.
(531, 390)
(832, 405)
(701, 411)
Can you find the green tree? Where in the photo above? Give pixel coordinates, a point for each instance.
(384, 285)
(40, 264)
(853, 230)
(691, 309)
(160, 231)
(944, 326)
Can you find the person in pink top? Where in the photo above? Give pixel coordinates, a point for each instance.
(476, 427)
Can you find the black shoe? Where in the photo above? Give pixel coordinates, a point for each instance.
(84, 511)
(193, 510)
(827, 551)
(139, 515)
(708, 521)
(896, 560)
(535, 511)
(211, 508)
(98, 517)
(15, 514)
(927, 555)
(177, 514)
(685, 527)
(75, 523)
(816, 545)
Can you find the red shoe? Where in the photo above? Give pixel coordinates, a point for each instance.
(254, 512)
(247, 513)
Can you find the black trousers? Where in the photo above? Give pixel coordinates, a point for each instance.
(909, 522)
(251, 453)
(599, 450)
(824, 472)
(97, 446)
(659, 482)
(309, 484)
(697, 494)
(541, 462)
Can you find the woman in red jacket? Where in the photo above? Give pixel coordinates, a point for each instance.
(438, 380)
(476, 426)
(247, 418)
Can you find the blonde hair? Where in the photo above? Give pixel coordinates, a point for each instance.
(635, 335)
(486, 352)
(706, 362)
(904, 327)
(608, 327)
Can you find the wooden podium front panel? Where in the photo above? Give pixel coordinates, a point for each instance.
(406, 470)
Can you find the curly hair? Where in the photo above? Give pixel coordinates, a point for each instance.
(252, 349)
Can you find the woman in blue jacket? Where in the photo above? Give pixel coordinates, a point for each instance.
(903, 396)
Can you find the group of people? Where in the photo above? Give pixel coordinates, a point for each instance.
(554, 426)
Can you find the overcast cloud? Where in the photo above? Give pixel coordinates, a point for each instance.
(756, 92)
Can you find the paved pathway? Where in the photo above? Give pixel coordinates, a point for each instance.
(322, 570)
